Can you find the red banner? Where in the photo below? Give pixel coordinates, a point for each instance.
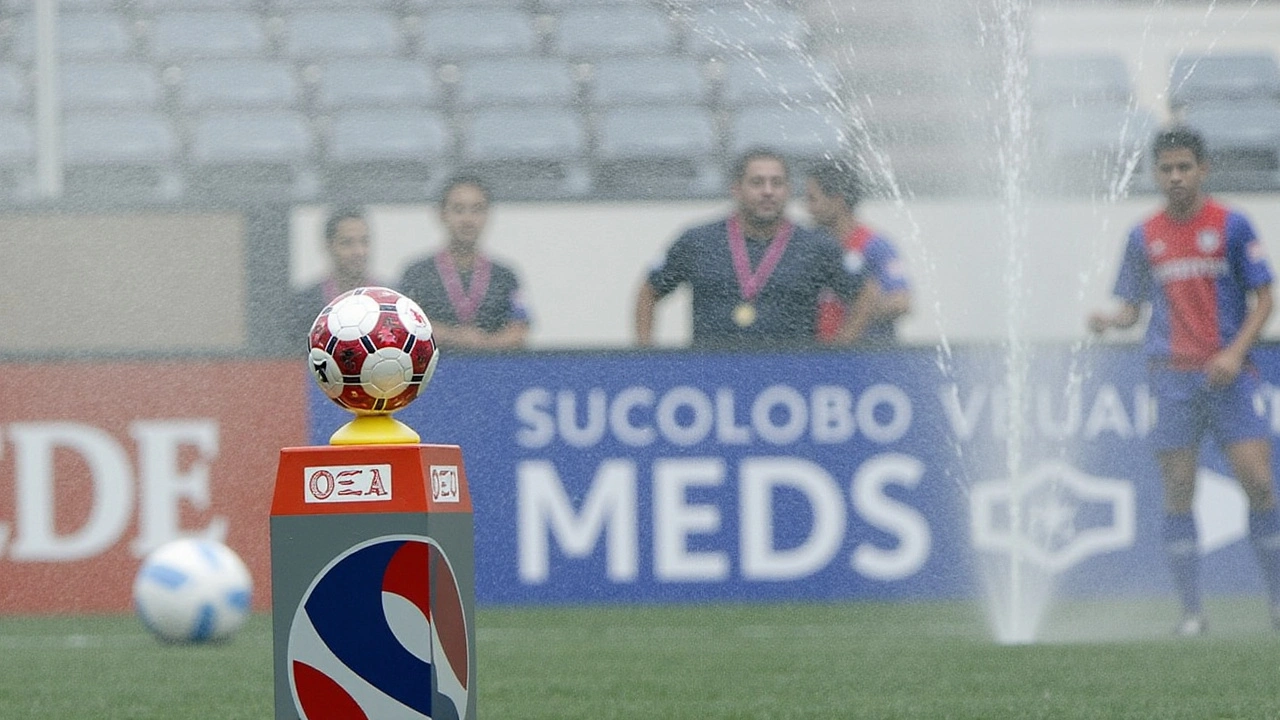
(101, 462)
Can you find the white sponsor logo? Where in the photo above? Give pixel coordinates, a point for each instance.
(1208, 241)
(444, 484)
(347, 483)
(1055, 516)
(1191, 268)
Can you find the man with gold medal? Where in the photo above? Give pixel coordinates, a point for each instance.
(755, 277)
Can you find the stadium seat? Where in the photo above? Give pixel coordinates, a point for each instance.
(182, 36)
(252, 156)
(86, 5)
(17, 156)
(341, 33)
(458, 34)
(1224, 76)
(802, 135)
(241, 82)
(152, 7)
(81, 36)
(1244, 143)
(752, 30)
(386, 155)
(13, 91)
(108, 84)
(1093, 150)
(120, 157)
(389, 82)
(786, 79)
(308, 5)
(533, 153)
(1073, 79)
(657, 152)
(585, 34)
(661, 80)
(515, 81)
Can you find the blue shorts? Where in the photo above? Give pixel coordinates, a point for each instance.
(1187, 409)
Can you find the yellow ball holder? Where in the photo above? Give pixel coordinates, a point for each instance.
(374, 430)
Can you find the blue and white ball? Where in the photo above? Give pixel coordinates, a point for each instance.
(193, 591)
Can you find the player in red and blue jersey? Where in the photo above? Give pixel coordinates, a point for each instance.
(832, 193)
(1203, 271)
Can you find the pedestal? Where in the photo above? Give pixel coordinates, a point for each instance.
(373, 583)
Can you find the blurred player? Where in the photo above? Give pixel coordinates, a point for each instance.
(346, 242)
(832, 191)
(755, 277)
(474, 302)
(1205, 275)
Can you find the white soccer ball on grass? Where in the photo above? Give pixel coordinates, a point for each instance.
(193, 591)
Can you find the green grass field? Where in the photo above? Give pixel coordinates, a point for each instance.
(740, 662)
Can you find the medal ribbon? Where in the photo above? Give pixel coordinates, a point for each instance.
(465, 302)
(751, 282)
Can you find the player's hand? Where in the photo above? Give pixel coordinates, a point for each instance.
(1099, 322)
(1223, 368)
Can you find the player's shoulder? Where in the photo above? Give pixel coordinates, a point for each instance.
(420, 266)
(713, 230)
(814, 236)
(501, 268)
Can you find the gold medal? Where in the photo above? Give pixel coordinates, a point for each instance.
(744, 314)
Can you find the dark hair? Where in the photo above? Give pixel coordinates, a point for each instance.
(757, 153)
(331, 225)
(1179, 137)
(461, 179)
(837, 178)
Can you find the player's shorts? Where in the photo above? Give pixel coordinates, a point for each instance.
(1187, 409)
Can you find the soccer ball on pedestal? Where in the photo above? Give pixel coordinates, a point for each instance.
(372, 351)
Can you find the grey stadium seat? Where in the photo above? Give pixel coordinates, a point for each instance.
(536, 153)
(1088, 149)
(356, 82)
(664, 79)
(152, 7)
(725, 31)
(341, 33)
(120, 156)
(386, 155)
(1224, 76)
(657, 152)
(589, 33)
(241, 82)
(252, 156)
(1072, 79)
(181, 36)
(1244, 143)
(13, 91)
(80, 35)
(108, 84)
(784, 79)
(802, 135)
(17, 155)
(458, 34)
(515, 81)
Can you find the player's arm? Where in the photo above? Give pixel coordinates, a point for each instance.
(861, 310)
(511, 336)
(895, 304)
(1122, 318)
(646, 301)
(1223, 367)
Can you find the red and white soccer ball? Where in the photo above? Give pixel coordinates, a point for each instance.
(372, 350)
